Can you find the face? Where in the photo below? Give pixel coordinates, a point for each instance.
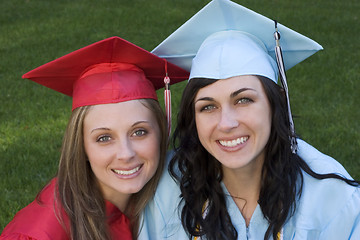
(233, 121)
(122, 142)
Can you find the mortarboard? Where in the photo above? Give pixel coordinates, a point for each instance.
(225, 39)
(223, 15)
(109, 71)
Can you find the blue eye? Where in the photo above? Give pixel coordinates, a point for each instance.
(244, 100)
(104, 138)
(139, 133)
(207, 108)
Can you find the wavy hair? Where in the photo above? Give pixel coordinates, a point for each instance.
(200, 174)
(79, 193)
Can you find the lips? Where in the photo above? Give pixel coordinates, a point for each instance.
(127, 172)
(234, 142)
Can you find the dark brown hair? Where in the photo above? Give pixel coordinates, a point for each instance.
(200, 174)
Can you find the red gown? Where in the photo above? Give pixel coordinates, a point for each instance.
(38, 221)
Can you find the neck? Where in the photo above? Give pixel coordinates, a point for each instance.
(119, 200)
(244, 186)
(244, 182)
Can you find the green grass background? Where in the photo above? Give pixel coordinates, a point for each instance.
(324, 89)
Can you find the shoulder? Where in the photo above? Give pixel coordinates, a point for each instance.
(326, 212)
(327, 204)
(119, 223)
(37, 220)
(161, 218)
(167, 194)
(318, 161)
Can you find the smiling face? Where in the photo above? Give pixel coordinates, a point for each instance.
(122, 142)
(233, 121)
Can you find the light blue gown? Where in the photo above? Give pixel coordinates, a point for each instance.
(328, 209)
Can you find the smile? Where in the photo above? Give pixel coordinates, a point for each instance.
(234, 142)
(126, 173)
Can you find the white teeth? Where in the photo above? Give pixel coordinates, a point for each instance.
(122, 172)
(234, 142)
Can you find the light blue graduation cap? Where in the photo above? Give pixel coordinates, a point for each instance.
(225, 39)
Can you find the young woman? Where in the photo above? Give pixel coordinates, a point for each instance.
(113, 149)
(241, 171)
(238, 166)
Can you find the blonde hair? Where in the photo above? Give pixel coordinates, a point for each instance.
(78, 191)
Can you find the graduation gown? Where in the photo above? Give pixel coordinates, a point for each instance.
(327, 210)
(38, 221)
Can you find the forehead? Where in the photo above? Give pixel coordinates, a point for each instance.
(118, 113)
(230, 85)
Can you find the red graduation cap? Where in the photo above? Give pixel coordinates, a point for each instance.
(109, 71)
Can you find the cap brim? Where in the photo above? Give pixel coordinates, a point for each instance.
(220, 15)
(61, 73)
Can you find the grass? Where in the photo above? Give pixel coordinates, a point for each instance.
(323, 89)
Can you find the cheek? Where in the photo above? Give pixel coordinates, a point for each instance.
(90, 148)
(95, 159)
(89, 151)
(152, 151)
(153, 162)
(265, 123)
(199, 126)
(99, 156)
(155, 153)
(203, 131)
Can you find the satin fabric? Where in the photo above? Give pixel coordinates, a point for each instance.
(108, 71)
(38, 220)
(183, 44)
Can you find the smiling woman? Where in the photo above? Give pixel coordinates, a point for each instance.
(241, 170)
(123, 150)
(237, 118)
(113, 149)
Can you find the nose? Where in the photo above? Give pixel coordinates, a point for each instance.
(125, 150)
(227, 120)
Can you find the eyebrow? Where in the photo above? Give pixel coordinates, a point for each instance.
(139, 122)
(205, 99)
(100, 128)
(232, 95)
(108, 129)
